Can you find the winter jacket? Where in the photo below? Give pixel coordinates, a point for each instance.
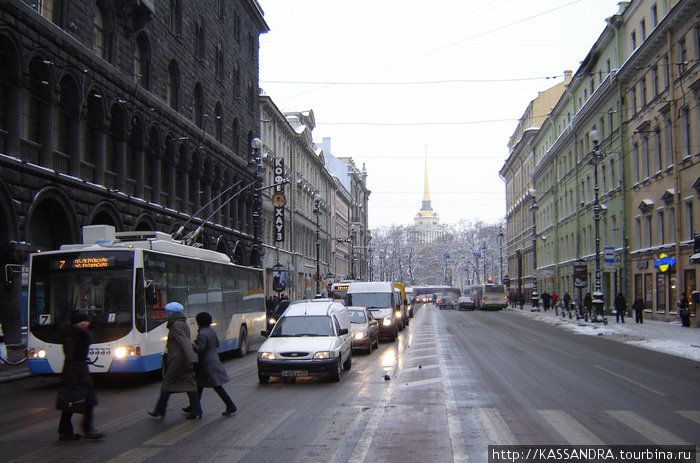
(179, 372)
(75, 375)
(210, 371)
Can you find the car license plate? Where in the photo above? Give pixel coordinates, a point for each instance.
(295, 373)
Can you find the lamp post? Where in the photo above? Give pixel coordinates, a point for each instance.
(598, 298)
(317, 213)
(535, 297)
(500, 250)
(483, 257)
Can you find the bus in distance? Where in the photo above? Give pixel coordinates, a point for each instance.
(488, 296)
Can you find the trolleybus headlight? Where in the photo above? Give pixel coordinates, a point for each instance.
(127, 351)
(267, 355)
(36, 354)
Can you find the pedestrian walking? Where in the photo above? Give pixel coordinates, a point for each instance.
(521, 300)
(620, 307)
(554, 298)
(588, 304)
(76, 393)
(179, 364)
(638, 307)
(210, 371)
(545, 300)
(567, 301)
(684, 310)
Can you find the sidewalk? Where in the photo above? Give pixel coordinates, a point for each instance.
(668, 337)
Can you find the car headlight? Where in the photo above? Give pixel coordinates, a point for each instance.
(398, 314)
(36, 354)
(266, 355)
(272, 321)
(360, 335)
(386, 321)
(323, 355)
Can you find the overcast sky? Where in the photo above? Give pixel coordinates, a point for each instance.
(391, 81)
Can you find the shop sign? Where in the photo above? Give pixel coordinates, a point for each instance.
(664, 262)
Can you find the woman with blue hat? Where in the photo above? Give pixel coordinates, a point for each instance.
(180, 364)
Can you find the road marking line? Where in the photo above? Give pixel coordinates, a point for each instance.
(630, 380)
(177, 432)
(422, 367)
(693, 415)
(420, 382)
(136, 455)
(650, 430)
(360, 451)
(459, 449)
(559, 351)
(493, 430)
(570, 429)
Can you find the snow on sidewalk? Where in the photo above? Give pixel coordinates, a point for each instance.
(668, 337)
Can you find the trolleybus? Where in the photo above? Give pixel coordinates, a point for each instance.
(123, 281)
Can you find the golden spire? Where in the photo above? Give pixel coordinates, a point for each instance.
(426, 190)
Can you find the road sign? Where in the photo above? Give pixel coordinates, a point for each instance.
(609, 259)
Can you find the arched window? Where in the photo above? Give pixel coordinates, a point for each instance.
(173, 85)
(142, 61)
(220, 61)
(99, 33)
(199, 40)
(175, 17)
(219, 122)
(236, 137)
(198, 114)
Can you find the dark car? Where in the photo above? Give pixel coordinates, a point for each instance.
(445, 301)
(466, 303)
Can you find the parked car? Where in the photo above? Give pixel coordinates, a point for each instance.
(466, 303)
(311, 338)
(365, 329)
(444, 301)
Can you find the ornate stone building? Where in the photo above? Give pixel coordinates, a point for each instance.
(133, 114)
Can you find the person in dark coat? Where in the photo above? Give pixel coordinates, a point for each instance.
(521, 300)
(567, 301)
(588, 304)
(684, 310)
(210, 371)
(76, 382)
(180, 364)
(620, 307)
(638, 307)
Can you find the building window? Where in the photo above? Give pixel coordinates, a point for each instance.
(648, 232)
(643, 29)
(199, 40)
(220, 61)
(660, 227)
(685, 132)
(219, 122)
(175, 17)
(667, 72)
(612, 174)
(635, 162)
(655, 81)
(633, 40)
(668, 142)
(198, 109)
(688, 221)
(142, 61)
(658, 149)
(682, 55)
(645, 157)
(671, 224)
(638, 231)
(643, 91)
(46, 8)
(648, 291)
(173, 95)
(654, 16)
(99, 38)
(661, 292)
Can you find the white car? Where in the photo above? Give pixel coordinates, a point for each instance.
(312, 338)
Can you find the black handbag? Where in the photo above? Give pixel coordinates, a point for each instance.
(71, 401)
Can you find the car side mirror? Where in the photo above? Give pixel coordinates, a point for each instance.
(343, 331)
(265, 333)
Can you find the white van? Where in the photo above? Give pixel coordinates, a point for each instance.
(312, 338)
(381, 299)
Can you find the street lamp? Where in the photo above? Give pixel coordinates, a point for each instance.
(597, 158)
(483, 256)
(535, 297)
(317, 213)
(500, 250)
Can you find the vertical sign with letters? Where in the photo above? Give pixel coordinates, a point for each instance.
(279, 200)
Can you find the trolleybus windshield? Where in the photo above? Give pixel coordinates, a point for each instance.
(100, 283)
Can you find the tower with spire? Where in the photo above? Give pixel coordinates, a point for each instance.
(426, 216)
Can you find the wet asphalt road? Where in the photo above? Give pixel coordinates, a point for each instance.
(458, 381)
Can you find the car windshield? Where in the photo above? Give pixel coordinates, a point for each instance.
(357, 316)
(370, 300)
(307, 325)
